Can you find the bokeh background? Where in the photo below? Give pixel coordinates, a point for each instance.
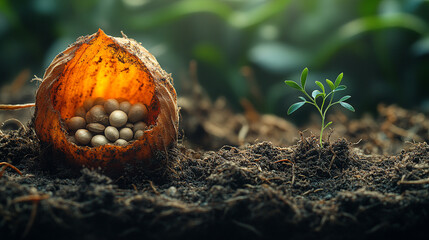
(243, 48)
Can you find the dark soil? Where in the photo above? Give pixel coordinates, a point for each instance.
(370, 180)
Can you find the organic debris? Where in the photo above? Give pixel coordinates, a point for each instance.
(256, 191)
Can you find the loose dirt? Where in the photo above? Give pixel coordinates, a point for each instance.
(258, 177)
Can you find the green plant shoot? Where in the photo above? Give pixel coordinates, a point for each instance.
(326, 98)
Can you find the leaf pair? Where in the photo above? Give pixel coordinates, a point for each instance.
(303, 81)
(346, 105)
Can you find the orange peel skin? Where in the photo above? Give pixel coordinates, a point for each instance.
(102, 66)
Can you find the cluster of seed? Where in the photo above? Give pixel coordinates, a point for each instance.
(113, 121)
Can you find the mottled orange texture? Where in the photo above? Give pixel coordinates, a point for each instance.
(102, 66)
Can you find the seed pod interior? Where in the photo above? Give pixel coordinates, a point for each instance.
(109, 72)
(103, 66)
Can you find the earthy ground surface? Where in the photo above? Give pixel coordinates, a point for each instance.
(233, 175)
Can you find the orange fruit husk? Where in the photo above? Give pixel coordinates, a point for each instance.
(102, 66)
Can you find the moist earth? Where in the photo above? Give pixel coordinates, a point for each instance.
(267, 179)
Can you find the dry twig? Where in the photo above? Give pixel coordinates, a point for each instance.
(16, 106)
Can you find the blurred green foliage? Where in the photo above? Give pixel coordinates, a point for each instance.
(244, 48)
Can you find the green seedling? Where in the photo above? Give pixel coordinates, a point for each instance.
(326, 99)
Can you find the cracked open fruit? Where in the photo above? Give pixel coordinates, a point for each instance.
(89, 87)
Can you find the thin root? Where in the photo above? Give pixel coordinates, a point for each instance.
(135, 187)
(36, 78)
(412, 182)
(153, 188)
(31, 198)
(293, 175)
(35, 199)
(15, 121)
(284, 160)
(334, 155)
(5, 165)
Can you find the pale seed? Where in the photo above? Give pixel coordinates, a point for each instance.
(126, 134)
(125, 106)
(95, 127)
(139, 126)
(111, 105)
(118, 118)
(137, 112)
(121, 142)
(111, 133)
(83, 136)
(97, 115)
(138, 134)
(76, 123)
(99, 140)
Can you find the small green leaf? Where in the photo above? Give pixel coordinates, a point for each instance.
(329, 123)
(316, 93)
(347, 106)
(295, 107)
(293, 84)
(340, 88)
(331, 85)
(304, 77)
(320, 85)
(338, 81)
(344, 98)
(302, 98)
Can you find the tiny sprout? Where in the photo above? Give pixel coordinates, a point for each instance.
(323, 107)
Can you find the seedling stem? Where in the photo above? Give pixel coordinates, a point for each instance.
(321, 108)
